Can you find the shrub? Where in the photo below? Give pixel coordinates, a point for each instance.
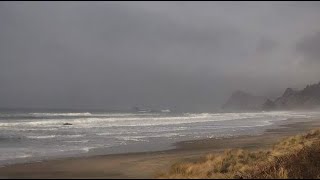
(294, 157)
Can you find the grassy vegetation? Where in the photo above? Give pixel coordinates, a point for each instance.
(293, 157)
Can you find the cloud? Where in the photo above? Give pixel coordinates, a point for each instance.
(190, 55)
(265, 45)
(309, 47)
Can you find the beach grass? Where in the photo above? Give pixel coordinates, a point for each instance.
(293, 157)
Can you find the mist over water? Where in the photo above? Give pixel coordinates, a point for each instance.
(29, 136)
(188, 57)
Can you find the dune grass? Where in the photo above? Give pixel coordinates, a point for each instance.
(294, 157)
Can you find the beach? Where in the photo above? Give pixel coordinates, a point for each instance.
(159, 89)
(149, 164)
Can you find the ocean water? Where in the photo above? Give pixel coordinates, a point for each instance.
(36, 136)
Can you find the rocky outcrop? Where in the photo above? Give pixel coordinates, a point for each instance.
(240, 100)
(268, 105)
(307, 98)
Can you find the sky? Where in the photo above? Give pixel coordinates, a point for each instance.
(185, 55)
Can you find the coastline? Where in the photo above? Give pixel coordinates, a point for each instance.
(148, 164)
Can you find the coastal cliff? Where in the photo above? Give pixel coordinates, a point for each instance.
(240, 100)
(307, 98)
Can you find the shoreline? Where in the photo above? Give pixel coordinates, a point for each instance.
(148, 164)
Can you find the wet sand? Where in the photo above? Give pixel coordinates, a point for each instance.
(148, 164)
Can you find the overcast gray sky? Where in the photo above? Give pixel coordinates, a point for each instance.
(188, 55)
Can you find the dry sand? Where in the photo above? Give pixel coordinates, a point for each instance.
(146, 165)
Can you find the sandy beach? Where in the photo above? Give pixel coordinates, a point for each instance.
(147, 165)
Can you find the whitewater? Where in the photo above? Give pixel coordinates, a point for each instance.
(36, 136)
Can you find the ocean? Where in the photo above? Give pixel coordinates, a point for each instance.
(37, 136)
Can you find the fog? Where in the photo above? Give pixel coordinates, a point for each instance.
(185, 55)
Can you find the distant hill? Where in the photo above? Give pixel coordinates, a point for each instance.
(240, 100)
(307, 98)
(291, 99)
